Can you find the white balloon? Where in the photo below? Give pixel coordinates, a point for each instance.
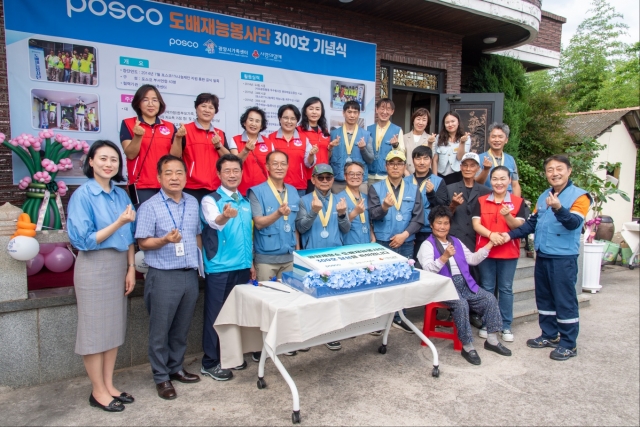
(141, 266)
(23, 248)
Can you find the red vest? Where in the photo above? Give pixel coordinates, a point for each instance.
(491, 218)
(317, 138)
(156, 142)
(254, 171)
(297, 172)
(201, 156)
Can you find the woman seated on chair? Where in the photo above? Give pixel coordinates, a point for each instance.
(446, 255)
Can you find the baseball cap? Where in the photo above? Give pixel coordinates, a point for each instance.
(393, 154)
(321, 168)
(472, 156)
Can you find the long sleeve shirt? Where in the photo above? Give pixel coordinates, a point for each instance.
(426, 254)
(376, 212)
(305, 218)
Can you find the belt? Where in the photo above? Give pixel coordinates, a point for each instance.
(184, 269)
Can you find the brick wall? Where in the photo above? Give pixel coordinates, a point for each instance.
(550, 32)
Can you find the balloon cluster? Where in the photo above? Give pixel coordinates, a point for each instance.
(55, 256)
(25, 141)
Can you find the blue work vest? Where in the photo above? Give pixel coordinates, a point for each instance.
(435, 180)
(273, 240)
(339, 154)
(509, 163)
(232, 248)
(359, 232)
(312, 239)
(378, 167)
(387, 227)
(551, 236)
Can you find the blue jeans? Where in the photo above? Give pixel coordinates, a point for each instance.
(500, 272)
(406, 250)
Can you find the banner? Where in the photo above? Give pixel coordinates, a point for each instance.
(74, 66)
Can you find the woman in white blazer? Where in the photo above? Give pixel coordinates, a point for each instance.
(418, 136)
(452, 144)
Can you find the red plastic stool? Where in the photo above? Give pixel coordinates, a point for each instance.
(430, 323)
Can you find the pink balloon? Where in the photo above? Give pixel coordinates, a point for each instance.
(61, 259)
(47, 248)
(35, 265)
(61, 245)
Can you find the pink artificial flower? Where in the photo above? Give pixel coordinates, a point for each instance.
(326, 273)
(371, 267)
(62, 188)
(24, 183)
(2, 137)
(412, 262)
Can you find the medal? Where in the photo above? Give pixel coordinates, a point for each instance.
(276, 194)
(349, 144)
(287, 227)
(325, 216)
(398, 200)
(349, 159)
(324, 233)
(365, 229)
(355, 203)
(495, 162)
(399, 217)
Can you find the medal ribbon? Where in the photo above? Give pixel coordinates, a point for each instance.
(495, 162)
(326, 216)
(277, 195)
(380, 132)
(398, 200)
(424, 183)
(349, 144)
(353, 199)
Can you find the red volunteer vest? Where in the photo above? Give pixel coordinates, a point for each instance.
(490, 218)
(317, 138)
(297, 172)
(201, 156)
(254, 171)
(156, 142)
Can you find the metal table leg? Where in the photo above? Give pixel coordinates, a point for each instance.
(414, 328)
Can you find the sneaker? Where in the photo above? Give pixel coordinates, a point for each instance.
(376, 333)
(290, 353)
(475, 320)
(482, 332)
(402, 326)
(217, 373)
(255, 356)
(507, 335)
(334, 345)
(561, 353)
(543, 342)
(305, 349)
(241, 367)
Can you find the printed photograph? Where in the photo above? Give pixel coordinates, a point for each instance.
(342, 92)
(62, 62)
(66, 111)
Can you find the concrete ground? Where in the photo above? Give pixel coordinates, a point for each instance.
(358, 386)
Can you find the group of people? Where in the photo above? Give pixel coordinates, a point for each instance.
(84, 117)
(241, 206)
(76, 67)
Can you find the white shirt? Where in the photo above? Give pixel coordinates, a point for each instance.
(426, 253)
(448, 156)
(210, 209)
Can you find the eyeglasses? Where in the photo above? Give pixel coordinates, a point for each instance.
(277, 165)
(150, 101)
(395, 164)
(324, 177)
(355, 174)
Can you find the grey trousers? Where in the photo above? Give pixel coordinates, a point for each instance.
(170, 297)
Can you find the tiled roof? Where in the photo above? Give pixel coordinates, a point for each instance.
(592, 124)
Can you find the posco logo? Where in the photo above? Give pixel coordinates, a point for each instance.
(185, 43)
(116, 9)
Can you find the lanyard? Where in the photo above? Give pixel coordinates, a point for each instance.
(277, 195)
(326, 216)
(495, 162)
(398, 200)
(184, 206)
(353, 199)
(380, 132)
(349, 144)
(424, 183)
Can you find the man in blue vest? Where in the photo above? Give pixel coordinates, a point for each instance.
(274, 206)
(432, 189)
(557, 223)
(349, 143)
(322, 219)
(495, 156)
(360, 230)
(227, 253)
(395, 208)
(386, 137)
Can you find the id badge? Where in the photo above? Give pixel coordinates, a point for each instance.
(179, 248)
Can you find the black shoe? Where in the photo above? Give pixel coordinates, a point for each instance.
(475, 321)
(334, 346)
(471, 357)
(217, 373)
(498, 348)
(290, 353)
(304, 350)
(562, 353)
(241, 367)
(255, 356)
(402, 326)
(125, 398)
(543, 342)
(114, 406)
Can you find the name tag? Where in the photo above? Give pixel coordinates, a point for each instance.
(179, 248)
